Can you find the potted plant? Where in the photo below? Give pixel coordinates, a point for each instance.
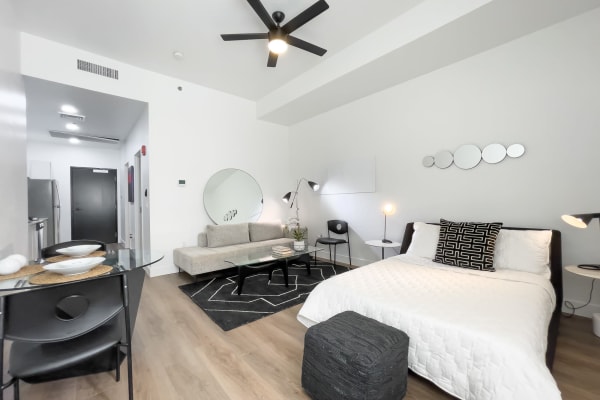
(299, 235)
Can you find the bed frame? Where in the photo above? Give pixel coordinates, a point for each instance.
(555, 279)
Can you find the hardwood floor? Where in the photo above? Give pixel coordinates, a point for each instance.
(179, 353)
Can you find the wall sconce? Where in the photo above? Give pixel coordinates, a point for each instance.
(582, 221)
(286, 198)
(388, 209)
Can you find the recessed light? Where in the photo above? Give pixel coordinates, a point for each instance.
(178, 55)
(71, 126)
(74, 140)
(69, 109)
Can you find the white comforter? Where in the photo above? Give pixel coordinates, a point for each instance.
(477, 335)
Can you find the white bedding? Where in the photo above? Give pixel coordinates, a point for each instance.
(475, 334)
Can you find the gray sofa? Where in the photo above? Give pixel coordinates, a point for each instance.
(220, 242)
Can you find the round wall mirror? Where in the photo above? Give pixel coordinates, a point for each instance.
(232, 196)
(428, 161)
(493, 153)
(515, 150)
(467, 156)
(443, 159)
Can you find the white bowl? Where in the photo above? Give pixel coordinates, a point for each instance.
(73, 267)
(79, 251)
(9, 266)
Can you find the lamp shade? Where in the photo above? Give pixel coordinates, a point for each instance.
(286, 197)
(579, 220)
(313, 185)
(389, 209)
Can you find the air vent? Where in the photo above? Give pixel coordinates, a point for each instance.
(71, 116)
(97, 69)
(69, 135)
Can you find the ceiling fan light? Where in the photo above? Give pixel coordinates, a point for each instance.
(277, 46)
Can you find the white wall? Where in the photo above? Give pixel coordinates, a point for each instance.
(64, 156)
(13, 168)
(137, 138)
(192, 134)
(542, 91)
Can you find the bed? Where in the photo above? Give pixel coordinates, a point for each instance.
(476, 334)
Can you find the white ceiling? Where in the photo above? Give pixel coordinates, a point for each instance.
(145, 33)
(371, 45)
(105, 115)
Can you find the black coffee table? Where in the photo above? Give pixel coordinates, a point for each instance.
(257, 261)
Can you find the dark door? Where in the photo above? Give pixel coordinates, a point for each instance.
(94, 204)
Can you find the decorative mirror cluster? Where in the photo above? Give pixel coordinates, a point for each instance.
(469, 156)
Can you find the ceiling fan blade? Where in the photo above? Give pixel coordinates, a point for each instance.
(301, 44)
(305, 16)
(244, 36)
(272, 62)
(260, 10)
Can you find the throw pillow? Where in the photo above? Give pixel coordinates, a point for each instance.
(260, 231)
(467, 244)
(523, 250)
(424, 240)
(225, 235)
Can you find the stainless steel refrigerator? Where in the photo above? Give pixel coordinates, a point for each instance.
(44, 202)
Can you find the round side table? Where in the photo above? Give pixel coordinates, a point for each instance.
(589, 273)
(382, 244)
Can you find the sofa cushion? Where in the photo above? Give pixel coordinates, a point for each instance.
(225, 235)
(202, 240)
(264, 231)
(199, 260)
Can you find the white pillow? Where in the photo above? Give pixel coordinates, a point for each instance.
(527, 251)
(424, 240)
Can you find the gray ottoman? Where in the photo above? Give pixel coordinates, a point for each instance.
(350, 356)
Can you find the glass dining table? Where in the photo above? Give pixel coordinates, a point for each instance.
(118, 261)
(115, 261)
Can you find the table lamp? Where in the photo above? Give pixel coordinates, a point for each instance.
(388, 209)
(582, 221)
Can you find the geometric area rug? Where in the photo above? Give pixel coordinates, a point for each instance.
(218, 297)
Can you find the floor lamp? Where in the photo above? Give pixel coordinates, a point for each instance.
(286, 198)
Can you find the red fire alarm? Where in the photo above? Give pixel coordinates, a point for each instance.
(144, 150)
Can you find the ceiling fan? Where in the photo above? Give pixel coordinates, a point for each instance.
(279, 36)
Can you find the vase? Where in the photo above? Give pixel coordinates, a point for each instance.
(299, 245)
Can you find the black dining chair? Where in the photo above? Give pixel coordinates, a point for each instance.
(338, 228)
(50, 251)
(58, 327)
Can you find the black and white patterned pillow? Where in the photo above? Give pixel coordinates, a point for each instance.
(467, 244)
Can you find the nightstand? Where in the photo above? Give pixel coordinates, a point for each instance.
(382, 244)
(589, 273)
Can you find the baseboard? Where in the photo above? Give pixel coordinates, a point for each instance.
(344, 261)
(161, 269)
(585, 311)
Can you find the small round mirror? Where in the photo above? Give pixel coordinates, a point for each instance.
(493, 153)
(443, 159)
(232, 196)
(515, 150)
(467, 156)
(428, 161)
